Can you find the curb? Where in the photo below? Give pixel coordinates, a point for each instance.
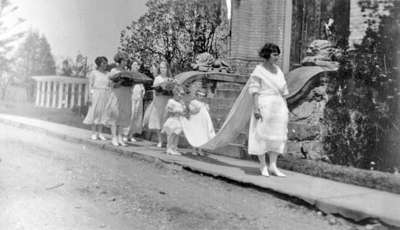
(334, 201)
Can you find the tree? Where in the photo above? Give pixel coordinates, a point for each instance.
(33, 58)
(362, 114)
(8, 35)
(176, 31)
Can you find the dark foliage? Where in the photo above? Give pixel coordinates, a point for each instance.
(361, 115)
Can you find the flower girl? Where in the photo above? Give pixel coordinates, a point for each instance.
(199, 128)
(176, 111)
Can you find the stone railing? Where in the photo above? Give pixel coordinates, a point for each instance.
(61, 92)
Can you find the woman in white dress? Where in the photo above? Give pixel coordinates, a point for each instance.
(268, 124)
(138, 91)
(99, 89)
(155, 113)
(119, 105)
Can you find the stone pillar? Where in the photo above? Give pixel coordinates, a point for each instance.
(72, 104)
(287, 32)
(54, 94)
(48, 93)
(255, 22)
(60, 94)
(42, 93)
(38, 85)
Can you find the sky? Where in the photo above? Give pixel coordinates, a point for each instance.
(89, 27)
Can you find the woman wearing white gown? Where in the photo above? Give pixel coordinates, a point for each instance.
(99, 86)
(154, 116)
(138, 91)
(119, 104)
(268, 124)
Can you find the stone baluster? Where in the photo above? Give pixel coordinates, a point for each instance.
(38, 85)
(72, 95)
(66, 95)
(42, 93)
(48, 93)
(60, 94)
(80, 86)
(54, 94)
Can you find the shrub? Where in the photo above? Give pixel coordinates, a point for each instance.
(361, 114)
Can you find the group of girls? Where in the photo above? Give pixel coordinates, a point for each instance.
(120, 106)
(168, 114)
(114, 103)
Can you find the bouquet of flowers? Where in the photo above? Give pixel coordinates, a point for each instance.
(129, 78)
(166, 87)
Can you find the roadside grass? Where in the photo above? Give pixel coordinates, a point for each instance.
(367, 178)
(61, 116)
(372, 179)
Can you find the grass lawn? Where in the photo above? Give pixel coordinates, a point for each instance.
(62, 116)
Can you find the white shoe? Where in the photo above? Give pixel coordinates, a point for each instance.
(275, 171)
(176, 153)
(169, 152)
(159, 144)
(94, 137)
(264, 171)
(114, 142)
(125, 139)
(132, 139)
(103, 138)
(201, 153)
(122, 143)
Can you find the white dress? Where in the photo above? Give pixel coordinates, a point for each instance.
(269, 133)
(155, 113)
(199, 128)
(137, 109)
(99, 85)
(174, 123)
(119, 105)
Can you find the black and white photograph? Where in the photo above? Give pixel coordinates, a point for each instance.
(200, 114)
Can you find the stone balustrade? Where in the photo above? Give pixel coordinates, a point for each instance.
(61, 92)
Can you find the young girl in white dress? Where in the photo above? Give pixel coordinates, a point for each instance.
(198, 128)
(176, 111)
(99, 87)
(154, 116)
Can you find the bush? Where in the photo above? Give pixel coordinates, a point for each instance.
(361, 114)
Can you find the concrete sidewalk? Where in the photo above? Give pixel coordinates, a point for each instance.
(347, 200)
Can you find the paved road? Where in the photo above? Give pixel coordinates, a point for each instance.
(47, 183)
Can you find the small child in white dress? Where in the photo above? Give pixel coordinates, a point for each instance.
(176, 111)
(199, 128)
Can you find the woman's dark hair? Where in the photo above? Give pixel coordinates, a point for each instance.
(100, 60)
(267, 49)
(121, 56)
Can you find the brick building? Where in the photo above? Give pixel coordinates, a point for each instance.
(291, 24)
